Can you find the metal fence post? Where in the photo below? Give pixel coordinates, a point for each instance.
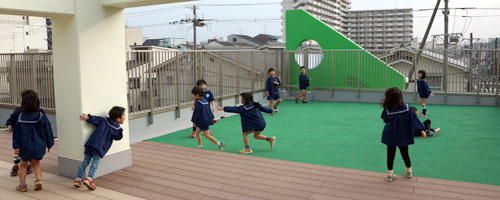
(252, 74)
(332, 61)
(220, 74)
(34, 74)
(177, 87)
(13, 81)
(238, 90)
(479, 84)
(498, 75)
(359, 75)
(150, 87)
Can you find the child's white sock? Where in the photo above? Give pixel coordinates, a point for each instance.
(200, 146)
(218, 143)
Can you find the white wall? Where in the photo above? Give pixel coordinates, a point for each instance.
(13, 38)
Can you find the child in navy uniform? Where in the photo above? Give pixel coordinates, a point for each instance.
(207, 94)
(304, 83)
(251, 120)
(203, 117)
(429, 131)
(99, 142)
(423, 91)
(400, 124)
(11, 123)
(32, 136)
(272, 91)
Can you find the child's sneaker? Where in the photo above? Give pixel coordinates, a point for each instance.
(14, 171)
(78, 182)
(38, 185)
(296, 100)
(304, 101)
(221, 146)
(275, 107)
(89, 183)
(193, 134)
(437, 130)
(246, 151)
(30, 169)
(389, 177)
(408, 174)
(22, 188)
(272, 141)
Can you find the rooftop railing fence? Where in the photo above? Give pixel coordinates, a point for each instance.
(160, 81)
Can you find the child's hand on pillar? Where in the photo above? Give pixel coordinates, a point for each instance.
(84, 117)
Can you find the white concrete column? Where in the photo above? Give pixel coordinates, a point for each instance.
(90, 77)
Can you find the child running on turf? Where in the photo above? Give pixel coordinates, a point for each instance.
(400, 124)
(203, 117)
(251, 120)
(11, 123)
(423, 91)
(304, 83)
(272, 91)
(207, 94)
(99, 142)
(31, 139)
(427, 123)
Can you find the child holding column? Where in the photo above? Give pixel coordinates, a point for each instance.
(98, 144)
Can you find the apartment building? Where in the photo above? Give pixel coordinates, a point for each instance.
(19, 34)
(380, 29)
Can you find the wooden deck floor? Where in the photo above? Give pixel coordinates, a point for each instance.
(164, 171)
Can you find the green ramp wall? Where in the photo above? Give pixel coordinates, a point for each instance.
(338, 68)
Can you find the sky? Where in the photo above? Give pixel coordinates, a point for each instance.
(155, 20)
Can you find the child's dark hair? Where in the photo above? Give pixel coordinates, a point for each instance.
(270, 70)
(26, 92)
(197, 90)
(393, 98)
(423, 73)
(248, 98)
(303, 67)
(200, 82)
(30, 103)
(116, 112)
(413, 108)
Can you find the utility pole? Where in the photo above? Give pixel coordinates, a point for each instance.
(195, 24)
(446, 40)
(471, 46)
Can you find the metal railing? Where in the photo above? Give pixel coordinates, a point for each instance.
(161, 81)
(20, 72)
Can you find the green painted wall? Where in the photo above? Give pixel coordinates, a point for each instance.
(338, 68)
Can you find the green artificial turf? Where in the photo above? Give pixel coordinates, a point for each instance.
(349, 135)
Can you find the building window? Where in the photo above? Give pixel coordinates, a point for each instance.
(234, 39)
(434, 82)
(134, 83)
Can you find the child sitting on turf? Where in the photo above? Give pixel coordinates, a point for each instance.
(272, 91)
(251, 120)
(304, 83)
(99, 142)
(427, 123)
(207, 94)
(11, 123)
(32, 136)
(423, 91)
(203, 117)
(400, 124)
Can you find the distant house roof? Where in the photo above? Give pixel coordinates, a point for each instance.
(251, 39)
(151, 42)
(266, 38)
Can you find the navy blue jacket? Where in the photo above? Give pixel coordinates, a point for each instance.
(202, 114)
(251, 118)
(304, 81)
(208, 95)
(32, 134)
(271, 87)
(13, 117)
(400, 124)
(423, 88)
(105, 132)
